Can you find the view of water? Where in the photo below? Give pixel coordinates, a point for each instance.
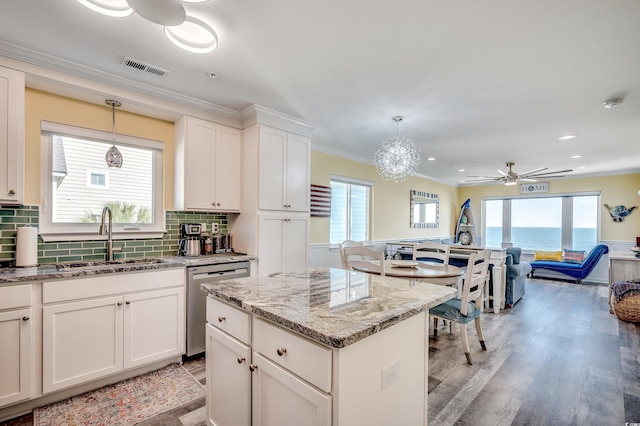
(548, 239)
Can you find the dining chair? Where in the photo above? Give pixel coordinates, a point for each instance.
(347, 243)
(364, 257)
(432, 250)
(468, 306)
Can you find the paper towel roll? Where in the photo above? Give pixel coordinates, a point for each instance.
(27, 246)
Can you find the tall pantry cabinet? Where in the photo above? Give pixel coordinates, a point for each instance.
(274, 224)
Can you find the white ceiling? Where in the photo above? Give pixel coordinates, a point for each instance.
(479, 83)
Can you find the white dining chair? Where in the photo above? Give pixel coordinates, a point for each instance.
(432, 250)
(468, 306)
(343, 245)
(364, 257)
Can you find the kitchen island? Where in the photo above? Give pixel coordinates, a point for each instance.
(319, 347)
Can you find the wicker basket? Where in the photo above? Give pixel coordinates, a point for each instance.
(628, 308)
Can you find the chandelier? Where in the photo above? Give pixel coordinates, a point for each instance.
(398, 157)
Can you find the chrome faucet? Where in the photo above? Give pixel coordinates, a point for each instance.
(101, 231)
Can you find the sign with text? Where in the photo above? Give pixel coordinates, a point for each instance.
(529, 188)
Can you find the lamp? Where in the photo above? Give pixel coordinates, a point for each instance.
(184, 31)
(398, 156)
(113, 156)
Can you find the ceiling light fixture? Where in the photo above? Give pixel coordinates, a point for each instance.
(113, 156)
(183, 30)
(115, 8)
(612, 103)
(567, 137)
(398, 156)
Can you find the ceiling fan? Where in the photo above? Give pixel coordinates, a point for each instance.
(511, 177)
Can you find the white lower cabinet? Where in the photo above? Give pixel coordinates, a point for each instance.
(15, 348)
(282, 399)
(98, 326)
(249, 385)
(228, 380)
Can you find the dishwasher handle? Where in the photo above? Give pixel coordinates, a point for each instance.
(220, 275)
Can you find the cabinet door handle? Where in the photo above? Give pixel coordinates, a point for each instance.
(12, 192)
(128, 302)
(222, 319)
(241, 359)
(25, 318)
(253, 367)
(281, 351)
(119, 303)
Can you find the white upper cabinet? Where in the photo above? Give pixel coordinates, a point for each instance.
(207, 167)
(11, 136)
(284, 170)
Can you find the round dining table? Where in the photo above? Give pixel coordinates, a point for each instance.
(430, 272)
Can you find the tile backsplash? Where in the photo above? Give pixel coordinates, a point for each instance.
(12, 217)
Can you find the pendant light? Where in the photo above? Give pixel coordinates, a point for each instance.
(113, 156)
(398, 157)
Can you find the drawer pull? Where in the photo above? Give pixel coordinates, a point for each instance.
(253, 367)
(25, 318)
(222, 319)
(128, 302)
(12, 192)
(241, 359)
(281, 351)
(119, 303)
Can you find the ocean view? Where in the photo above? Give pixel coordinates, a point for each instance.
(547, 239)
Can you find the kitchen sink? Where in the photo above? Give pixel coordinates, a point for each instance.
(104, 264)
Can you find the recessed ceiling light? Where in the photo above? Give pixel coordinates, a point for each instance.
(212, 74)
(576, 156)
(612, 103)
(193, 35)
(431, 159)
(115, 8)
(566, 137)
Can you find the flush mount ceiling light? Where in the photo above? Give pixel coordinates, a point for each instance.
(183, 30)
(398, 157)
(115, 8)
(193, 35)
(567, 137)
(612, 103)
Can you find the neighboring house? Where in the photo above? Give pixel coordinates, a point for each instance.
(81, 178)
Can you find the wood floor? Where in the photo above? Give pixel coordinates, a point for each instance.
(558, 357)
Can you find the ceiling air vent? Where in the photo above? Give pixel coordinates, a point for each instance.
(141, 66)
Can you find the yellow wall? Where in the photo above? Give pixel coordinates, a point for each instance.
(615, 190)
(391, 212)
(45, 106)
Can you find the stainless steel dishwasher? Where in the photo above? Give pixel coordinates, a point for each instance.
(196, 297)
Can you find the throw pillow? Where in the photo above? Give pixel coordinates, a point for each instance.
(548, 255)
(573, 256)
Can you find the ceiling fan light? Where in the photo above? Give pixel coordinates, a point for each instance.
(193, 35)
(163, 12)
(114, 8)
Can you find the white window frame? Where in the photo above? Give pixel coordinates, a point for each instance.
(97, 172)
(50, 231)
(360, 182)
(567, 215)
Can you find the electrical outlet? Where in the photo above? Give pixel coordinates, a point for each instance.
(390, 374)
(214, 228)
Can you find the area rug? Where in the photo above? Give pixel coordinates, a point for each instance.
(125, 403)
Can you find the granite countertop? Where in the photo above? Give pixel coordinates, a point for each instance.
(78, 269)
(334, 307)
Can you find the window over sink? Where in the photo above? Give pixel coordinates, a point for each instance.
(77, 184)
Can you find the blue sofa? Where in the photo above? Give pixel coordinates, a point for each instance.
(577, 271)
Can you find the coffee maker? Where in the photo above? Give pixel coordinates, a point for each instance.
(190, 239)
